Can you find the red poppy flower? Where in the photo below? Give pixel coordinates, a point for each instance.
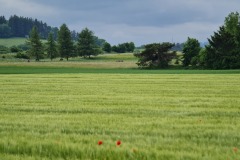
(100, 143)
(118, 143)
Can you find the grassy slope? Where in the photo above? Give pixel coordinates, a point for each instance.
(8, 42)
(62, 116)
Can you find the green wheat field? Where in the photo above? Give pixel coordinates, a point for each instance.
(52, 112)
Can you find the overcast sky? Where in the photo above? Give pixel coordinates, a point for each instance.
(140, 21)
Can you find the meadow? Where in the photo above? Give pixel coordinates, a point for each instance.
(9, 42)
(61, 110)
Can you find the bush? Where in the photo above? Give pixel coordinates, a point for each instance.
(15, 49)
(22, 55)
(3, 49)
(24, 47)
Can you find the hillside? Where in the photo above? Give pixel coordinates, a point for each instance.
(8, 42)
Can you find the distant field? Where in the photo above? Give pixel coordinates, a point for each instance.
(8, 42)
(156, 116)
(104, 61)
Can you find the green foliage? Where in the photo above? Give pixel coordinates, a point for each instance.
(107, 47)
(3, 20)
(65, 44)
(3, 49)
(202, 57)
(36, 49)
(156, 55)
(191, 49)
(21, 55)
(124, 47)
(15, 49)
(51, 47)
(178, 47)
(86, 44)
(5, 31)
(99, 42)
(232, 23)
(23, 47)
(130, 46)
(21, 26)
(222, 51)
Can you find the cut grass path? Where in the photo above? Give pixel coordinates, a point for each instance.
(156, 116)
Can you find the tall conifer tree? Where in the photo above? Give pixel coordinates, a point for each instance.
(36, 49)
(65, 44)
(51, 47)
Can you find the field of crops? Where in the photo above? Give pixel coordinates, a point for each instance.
(155, 116)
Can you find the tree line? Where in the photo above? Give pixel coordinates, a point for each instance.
(222, 52)
(64, 47)
(20, 27)
(61, 41)
(84, 46)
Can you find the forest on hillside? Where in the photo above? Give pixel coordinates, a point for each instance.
(17, 26)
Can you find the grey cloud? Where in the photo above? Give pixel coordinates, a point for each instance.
(119, 20)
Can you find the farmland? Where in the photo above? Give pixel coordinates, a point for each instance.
(159, 114)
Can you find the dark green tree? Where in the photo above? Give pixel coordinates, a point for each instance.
(200, 59)
(124, 47)
(131, 47)
(232, 23)
(51, 47)
(86, 43)
(3, 20)
(5, 31)
(222, 51)
(4, 49)
(21, 26)
(191, 49)
(99, 42)
(36, 48)
(65, 44)
(115, 48)
(156, 55)
(107, 47)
